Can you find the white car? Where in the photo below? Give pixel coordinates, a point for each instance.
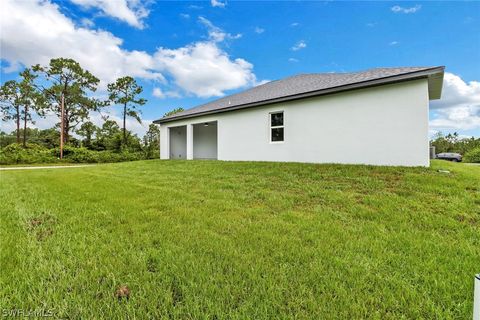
(450, 156)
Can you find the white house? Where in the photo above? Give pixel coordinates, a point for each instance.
(378, 116)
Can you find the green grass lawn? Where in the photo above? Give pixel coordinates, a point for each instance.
(208, 239)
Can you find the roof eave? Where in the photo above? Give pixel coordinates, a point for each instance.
(435, 84)
(434, 75)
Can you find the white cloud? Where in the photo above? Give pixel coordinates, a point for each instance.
(218, 3)
(259, 83)
(371, 24)
(8, 126)
(49, 121)
(458, 118)
(294, 24)
(259, 30)
(129, 11)
(34, 32)
(158, 93)
(299, 45)
(215, 33)
(456, 93)
(204, 69)
(113, 114)
(393, 43)
(293, 60)
(398, 9)
(459, 107)
(88, 23)
(185, 15)
(96, 118)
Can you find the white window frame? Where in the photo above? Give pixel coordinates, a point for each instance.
(270, 127)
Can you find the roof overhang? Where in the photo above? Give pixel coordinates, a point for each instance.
(435, 84)
(434, 76)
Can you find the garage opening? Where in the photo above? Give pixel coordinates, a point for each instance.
(178, 142)
(205, 140)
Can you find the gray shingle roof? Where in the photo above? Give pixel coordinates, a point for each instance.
(303, 85)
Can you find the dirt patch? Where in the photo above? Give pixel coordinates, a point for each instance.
(41, 226)
(468, 220)
(472, 189)
(177, 293)
(122, 292)
(152, 264)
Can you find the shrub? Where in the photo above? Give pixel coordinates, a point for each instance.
(472, 156)
(83, 155)
(73, 154)
(16, 154)
(109, 156)
(15, 147)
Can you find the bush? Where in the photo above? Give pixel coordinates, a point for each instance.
(84, 155)
(16, 147)
(472, 156)
(109, 156)
(16, 154)
(78, 155)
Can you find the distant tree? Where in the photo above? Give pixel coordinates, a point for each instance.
(452, 142)
(87, 130)
(10, 103)
(151, 140)
(19, 100)
(172, 112)
(6, 138)
(105, 136)
(124, 91)
(134, 143)
(32, 100)
(49, 138)
(69, 80)
(109, 128)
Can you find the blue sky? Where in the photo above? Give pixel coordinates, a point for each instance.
(188, 53)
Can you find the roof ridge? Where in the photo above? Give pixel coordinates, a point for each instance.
(355, 72)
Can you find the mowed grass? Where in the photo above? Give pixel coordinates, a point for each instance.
(238, 240)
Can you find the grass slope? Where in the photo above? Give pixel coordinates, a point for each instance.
(230, 240)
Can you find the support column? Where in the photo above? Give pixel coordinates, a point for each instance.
(189, 142)
(164, 142)
(160, 136)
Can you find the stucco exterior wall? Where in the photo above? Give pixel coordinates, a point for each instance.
(178, 143)
(205, 141)
(385, 125)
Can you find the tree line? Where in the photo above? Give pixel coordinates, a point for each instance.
(452, 142)
(67, 90)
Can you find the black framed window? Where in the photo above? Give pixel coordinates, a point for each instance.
(277, 128)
